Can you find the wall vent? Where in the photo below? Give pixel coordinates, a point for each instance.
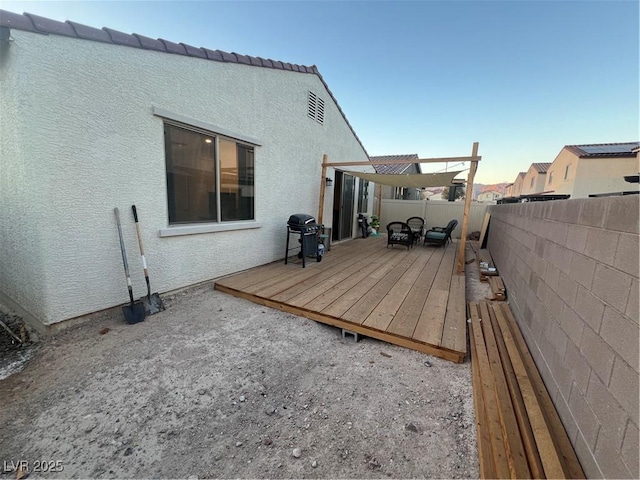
(315, 109)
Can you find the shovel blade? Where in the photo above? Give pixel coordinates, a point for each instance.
(152, 304)
(134, 313)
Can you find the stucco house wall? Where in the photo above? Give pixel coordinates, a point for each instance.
(588, 176)
(538, 178)
(82, 133)
(571, 270)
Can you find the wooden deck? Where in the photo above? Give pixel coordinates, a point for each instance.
(413, 298)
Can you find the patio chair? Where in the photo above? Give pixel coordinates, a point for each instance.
(417, 227)
(440, 235)
(399, 233)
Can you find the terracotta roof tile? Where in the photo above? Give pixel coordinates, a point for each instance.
(90, 33)
(46, 25)
(150, 43)
(120, 38)
(36, 24)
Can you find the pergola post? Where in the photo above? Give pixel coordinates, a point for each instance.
(467, 207)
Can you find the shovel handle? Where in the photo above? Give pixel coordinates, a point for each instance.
(124, 254)
(139, 235)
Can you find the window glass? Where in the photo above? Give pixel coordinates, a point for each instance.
(363, 195)
(193, 189)
(566, 172)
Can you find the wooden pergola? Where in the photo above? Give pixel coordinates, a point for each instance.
(474, 159)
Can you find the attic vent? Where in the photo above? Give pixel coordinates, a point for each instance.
(315, 109)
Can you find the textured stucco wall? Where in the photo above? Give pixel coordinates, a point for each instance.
(571, 272)
(79, 138)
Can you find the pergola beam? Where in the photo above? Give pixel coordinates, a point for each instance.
(467, 207)
(473, 158)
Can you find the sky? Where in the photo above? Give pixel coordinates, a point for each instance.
(522, 78)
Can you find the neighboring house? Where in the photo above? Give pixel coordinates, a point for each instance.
(516, 186)
(489, 196)
(535, 179)
(508, 190)
(215, 149)
(583, 170)
(399, 193)
(432, 193)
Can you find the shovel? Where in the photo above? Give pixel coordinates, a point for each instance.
(152, 303)
(133, 313)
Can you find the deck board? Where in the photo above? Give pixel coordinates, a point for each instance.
(409, 297)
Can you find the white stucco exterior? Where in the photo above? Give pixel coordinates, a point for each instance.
(79, 137)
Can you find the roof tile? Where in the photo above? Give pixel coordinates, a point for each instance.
(90, 33)
(255, 61)
(277, 64)
(15, 20)
(213, 54)
(228, 57)
(121, 38)
(194, 51)
(266, 62)
(394, 169)
(150, 43)
(242, 58)
(47, 25)
(174, 47)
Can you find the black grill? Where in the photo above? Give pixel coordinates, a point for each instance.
(305, 225)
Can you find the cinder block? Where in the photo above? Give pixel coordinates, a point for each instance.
(572, 325)
(611, 416)
(562, 375)
(586, 419)
(579, 367)
(627, 257)
(589, 307)
(348, 333)
(552, 275)
(567, 289)
(558, 339)
(610, 457)
(630, 449)
(593, 212)
(598, 354)
(623, 214)
(582, 269)
(601, 245)
(612, 286)
(587, 460)
(576, 238)
(622, 335)
(558, 256)
(633, 304)
(624, 387)
(555, 305)
(569, 422)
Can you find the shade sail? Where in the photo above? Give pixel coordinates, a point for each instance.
(411, 180)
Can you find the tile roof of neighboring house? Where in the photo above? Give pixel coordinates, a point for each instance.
(394, 168)
(522, 174)
(605, 150)
(541, 167)
(42, 25)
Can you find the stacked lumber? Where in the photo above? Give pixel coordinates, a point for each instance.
(497, 288)
(520, 434)
(486, 265)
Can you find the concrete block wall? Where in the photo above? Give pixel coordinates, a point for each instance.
(571, 270)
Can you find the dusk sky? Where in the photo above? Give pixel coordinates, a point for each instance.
(523, 78)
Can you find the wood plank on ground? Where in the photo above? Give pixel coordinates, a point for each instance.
(487, 386)
(454, 332)
(570, 463)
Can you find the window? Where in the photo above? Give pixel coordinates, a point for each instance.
(315, 108)
(566, 172)
(209, 178)
(363, 195)
(550, 178)
(532, 179)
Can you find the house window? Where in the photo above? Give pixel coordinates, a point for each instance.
(566, 171)
(550, 178)
(210, 178)
(532, 178)
(315, 108)
(363, 195)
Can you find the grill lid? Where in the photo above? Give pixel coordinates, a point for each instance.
(301, 219)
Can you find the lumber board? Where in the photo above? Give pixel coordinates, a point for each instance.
(571, 464)
(549, 455)
(487, 386)
(528, 440)
(516, 457)
(497, 288)
(485, 452)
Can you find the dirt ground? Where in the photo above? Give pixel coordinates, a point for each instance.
(218, 387)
